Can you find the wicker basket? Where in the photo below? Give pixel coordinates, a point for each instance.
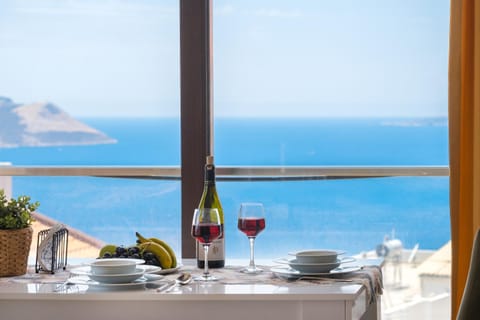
(14, 250)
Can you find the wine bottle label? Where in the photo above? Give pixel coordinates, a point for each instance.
(216, 251)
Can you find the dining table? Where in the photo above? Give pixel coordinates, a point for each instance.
(271, 294)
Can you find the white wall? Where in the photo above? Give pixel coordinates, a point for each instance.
(6, 182)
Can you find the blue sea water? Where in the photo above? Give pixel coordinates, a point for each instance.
(351, 214)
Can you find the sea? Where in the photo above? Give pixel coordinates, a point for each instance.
(354, 215)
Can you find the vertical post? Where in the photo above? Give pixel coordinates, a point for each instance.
(196, 107)
(6, 182)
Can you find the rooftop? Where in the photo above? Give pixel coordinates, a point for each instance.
(438, 264)
(80, 245)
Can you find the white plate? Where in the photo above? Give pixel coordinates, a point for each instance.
(314, 267)
(109, 278)
(159, 270)
(136, 261)
(310, 267)
(317, 252)
(146, 268)
(317, 255)
(150, 269)
(115, 265)
(289, 273)
(84, 280)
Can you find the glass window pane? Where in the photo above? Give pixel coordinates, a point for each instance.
(349, 214)
(107, 210)
(89, 83)
(140, 141)
(331, 58)
(72, 67)
(321, 141)
(363, 217)
(341, 83)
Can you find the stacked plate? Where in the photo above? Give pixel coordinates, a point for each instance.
(315, 262)
(114, 271)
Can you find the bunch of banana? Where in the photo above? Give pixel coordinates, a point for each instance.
(153, 250)
(163, 252)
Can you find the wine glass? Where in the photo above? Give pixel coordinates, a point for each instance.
(206, 227)
(251, 221)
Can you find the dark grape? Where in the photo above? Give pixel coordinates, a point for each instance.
(133, 250)
(155, 261)
(120, 251)
(148, 255)
(130, 252)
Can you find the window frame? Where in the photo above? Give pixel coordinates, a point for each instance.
(196, 117)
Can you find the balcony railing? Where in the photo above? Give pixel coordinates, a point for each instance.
(226, 173)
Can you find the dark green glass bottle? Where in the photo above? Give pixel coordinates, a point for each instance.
(210, 199)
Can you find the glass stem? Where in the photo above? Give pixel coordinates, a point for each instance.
(252, 252)
(205, 266)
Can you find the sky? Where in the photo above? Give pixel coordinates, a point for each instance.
(300, 58)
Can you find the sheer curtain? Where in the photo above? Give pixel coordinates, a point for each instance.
(464, 126)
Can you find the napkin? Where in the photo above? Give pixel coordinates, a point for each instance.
(370, 276)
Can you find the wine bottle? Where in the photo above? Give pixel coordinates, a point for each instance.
(210, 199)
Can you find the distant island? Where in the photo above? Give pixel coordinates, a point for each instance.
(417, 122)
(43, 124)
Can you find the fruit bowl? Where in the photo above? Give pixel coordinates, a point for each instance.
(114, 266)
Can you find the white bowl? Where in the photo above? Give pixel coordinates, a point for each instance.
(117, 278)
(115, 266)
(317, 256)
(313, 267)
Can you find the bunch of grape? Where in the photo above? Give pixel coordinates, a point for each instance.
(122, 252)
(133, 253)
(150, 259)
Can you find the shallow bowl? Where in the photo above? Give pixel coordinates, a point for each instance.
(313, 267)
(316, 256)
(114, 266)
(121, 278)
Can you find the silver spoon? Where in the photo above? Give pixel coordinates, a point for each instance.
(183, 279)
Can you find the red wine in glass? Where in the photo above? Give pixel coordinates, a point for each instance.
(251, 221)
(206, 232)
(206, 227)
(251, 226)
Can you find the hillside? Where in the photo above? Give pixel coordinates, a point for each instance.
(43, 124)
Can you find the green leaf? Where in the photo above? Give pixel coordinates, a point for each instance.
(16, 213)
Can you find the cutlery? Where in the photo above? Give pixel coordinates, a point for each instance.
(182, 279)
(63, 286)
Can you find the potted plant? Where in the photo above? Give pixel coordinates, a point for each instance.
(15, 233)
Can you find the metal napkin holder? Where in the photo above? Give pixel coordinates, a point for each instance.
(58, 244)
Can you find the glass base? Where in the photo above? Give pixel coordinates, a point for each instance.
(205, 278)
(251, 270)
